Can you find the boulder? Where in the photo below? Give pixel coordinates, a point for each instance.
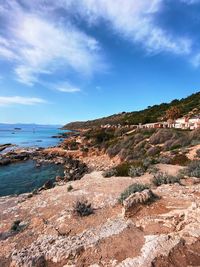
(133, 203)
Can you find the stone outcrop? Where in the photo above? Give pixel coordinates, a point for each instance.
(133, 203)
(161, 234)
(3, 147)
(57, 249)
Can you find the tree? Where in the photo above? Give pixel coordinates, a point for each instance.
(172, 114)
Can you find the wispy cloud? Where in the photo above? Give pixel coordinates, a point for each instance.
(132, 20)
(40, 41)
(39, 45)
(66, 88)
(196, 60)
(190, 2)
(13, 100)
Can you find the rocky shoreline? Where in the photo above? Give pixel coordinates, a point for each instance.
(92, 220)
(73, 168)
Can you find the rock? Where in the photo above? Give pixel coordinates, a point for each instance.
(4, 162)
(39, 261)
(59, 178)
(74, 170)
(133, 203)
(2, 147)
(48, 185)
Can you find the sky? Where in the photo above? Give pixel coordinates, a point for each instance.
(69, 60)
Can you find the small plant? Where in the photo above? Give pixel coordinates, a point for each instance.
(123, 169)
(180, 159)
(153, 170)
(193, 169)
(15, 226)
(136, 171)
(70, 188)
(164, 160)
(147, 162)
(109, 173)
(132, 189)
(82, 208)
(198, 153)
(163, 178)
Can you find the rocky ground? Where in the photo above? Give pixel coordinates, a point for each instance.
(164, 232)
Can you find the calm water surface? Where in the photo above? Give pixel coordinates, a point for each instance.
(29, 135)
(24, 176)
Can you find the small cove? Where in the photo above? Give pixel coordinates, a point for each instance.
(23, 177)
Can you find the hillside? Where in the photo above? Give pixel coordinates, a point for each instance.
(188, 105)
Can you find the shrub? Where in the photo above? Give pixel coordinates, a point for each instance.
(161, 136)
(136, 171)
(69, 188)
(193, 169)
(84, 149)
(147, 162)
(163, 178)
(123, 169)
(153, 170)
(180, 159)
(82, 208)
(110, 173)
(195, 136)
(152, 151)
(132, 189)
(164, 160)
(15, 226)
(198, 153)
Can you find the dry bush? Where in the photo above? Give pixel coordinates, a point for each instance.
(180, 159)
(82, 208)
(193, 169)
(163, 178)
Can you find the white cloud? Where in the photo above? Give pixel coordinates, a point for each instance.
(190, 2)
(42, 46)
(196, 60)
(40, 41)
(133, 20)
(12, 100)
(67, 88)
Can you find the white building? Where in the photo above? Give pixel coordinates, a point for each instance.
(186, 123)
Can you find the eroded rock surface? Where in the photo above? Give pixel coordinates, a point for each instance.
(163, 233)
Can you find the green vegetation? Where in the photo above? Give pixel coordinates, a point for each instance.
(123, 169)
(180, 159)
(16, 226)
(198, 153)
(132, 189)
(109, 173)
(148, 115)
(82, 208)
(138, 146)
(132, 169)
(135, 171)
(193, 169)
(163, 178)
(70, 188)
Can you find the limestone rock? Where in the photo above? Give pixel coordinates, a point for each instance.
(133, 203)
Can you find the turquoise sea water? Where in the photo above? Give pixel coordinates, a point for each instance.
(24, 177)
(29, 135)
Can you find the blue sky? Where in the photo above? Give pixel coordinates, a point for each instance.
(69, 60)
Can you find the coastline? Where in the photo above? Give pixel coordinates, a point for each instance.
(49, 232)
(73, 168)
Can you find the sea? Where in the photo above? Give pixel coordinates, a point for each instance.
(23, 177)
(29, 135)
